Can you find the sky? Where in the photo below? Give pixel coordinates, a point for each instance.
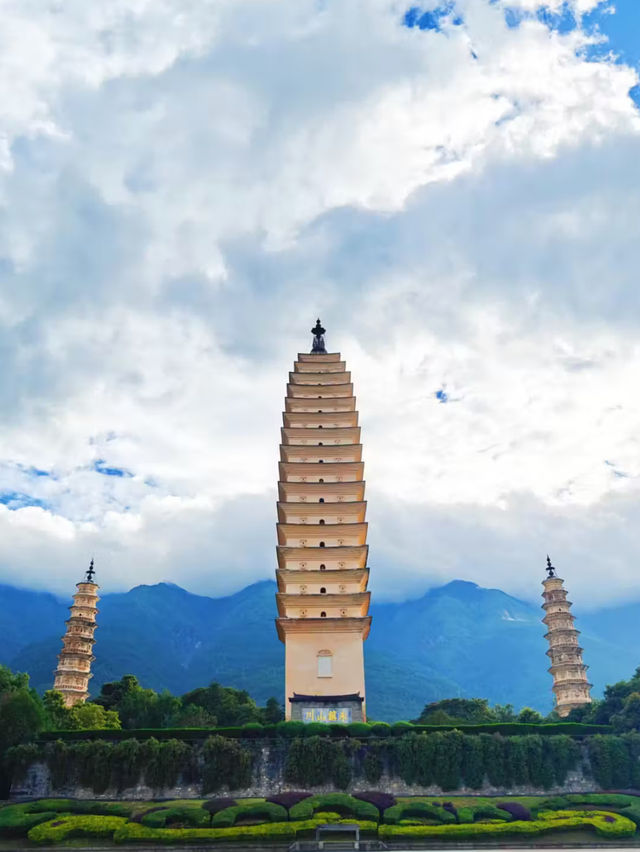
(185, 185)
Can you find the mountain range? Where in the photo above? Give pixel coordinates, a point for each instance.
(456, 640)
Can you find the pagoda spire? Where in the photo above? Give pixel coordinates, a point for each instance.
(318, 339)
(323, 602)
(74, 661)
(570, 684)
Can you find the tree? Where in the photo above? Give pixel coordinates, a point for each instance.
(467, 710)
(93, 717)
(628, 719)
(603, 712)
(192, 716)
(56, 712)
(273, 711)
(529, 716)
(22, 717)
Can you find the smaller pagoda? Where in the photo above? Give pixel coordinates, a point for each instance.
(74, 662)
(570, 684)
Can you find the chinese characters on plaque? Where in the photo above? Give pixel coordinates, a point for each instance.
(324, 714)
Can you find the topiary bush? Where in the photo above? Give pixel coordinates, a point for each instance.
(381, 729)
(263, 811)
(212, 806)
(133, 832)
(17, 820)
(417, 810)
(317, 729)
(359, 729)
(290, 729)
(176, 816)
(381, 801)
(502, 813)
(82, 806)
(342, 803)
(288, 800)
(611, 826)
(515, 810)
(76, 825)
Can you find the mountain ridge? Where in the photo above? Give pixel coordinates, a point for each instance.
(459, 639)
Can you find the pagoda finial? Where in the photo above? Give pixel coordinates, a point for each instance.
(551, 570)
(318, 340)
(90, 572)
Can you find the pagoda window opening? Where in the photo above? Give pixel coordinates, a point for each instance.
(320, 461)
(323, 591)
(323, 615)
(325, 664)
(320, 444)
(322, 544)
(323, 567)
(321, 500)
(320, 426)
(321, 521)
(321, 480)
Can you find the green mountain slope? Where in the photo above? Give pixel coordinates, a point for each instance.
(457, 640)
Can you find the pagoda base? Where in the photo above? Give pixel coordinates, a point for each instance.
(330, 709)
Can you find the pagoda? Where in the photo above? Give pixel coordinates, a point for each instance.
(74, 662)
(570, 683)
(322, 572)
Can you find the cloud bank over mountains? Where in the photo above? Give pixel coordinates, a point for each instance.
(184, 187)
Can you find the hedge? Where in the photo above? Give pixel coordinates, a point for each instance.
(417, 809)
(267, 810)
(449, 759)
(563, 821)
(133, 832)
(163, 817)
(64, 827)
(82, 806)
(16, 820)
(340, 802)
(358, 730)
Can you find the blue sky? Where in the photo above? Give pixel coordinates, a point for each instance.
(453, 188)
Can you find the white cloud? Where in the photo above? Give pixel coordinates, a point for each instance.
(188, 185)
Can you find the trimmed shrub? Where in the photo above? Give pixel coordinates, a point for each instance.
(296, 729)
(417, 809)
(342, 803)
(381, 729)
(212, 806)
(264, 811)
(501, 812)
(16, 820)
(77, 825)
(317, 729)
(359, 729)
(290, 729)
(450, 808)
(381, 801)
(562, 821)
(82, 806)
(177, 815)
(288, 800)
(616, 800)
(132, 832)
(514, 809)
